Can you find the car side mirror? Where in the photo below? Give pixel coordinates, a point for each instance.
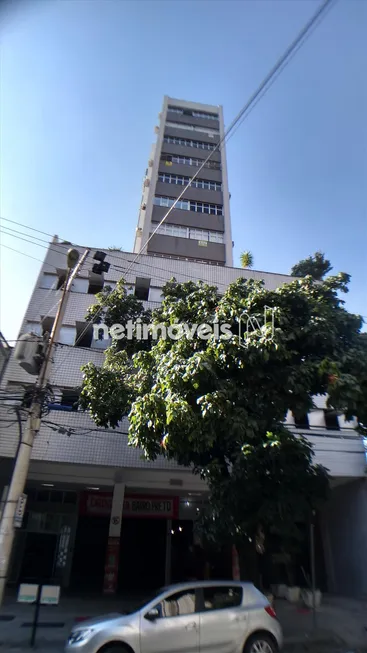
(152, 615)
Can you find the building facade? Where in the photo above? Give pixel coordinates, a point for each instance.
(199, 227)
(87, 485)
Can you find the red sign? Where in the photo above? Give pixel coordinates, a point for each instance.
(134, 505)
(111, 566)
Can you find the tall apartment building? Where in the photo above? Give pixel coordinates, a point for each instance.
(199, 227)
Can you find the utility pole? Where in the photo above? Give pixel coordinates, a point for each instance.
(20, 472)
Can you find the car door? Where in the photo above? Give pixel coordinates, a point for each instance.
(176, 629)
(223, 620)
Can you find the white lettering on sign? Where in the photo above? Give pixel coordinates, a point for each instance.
(140, 506)
(20, 509)
(99, 504)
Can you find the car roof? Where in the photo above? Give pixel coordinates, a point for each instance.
(208, 583)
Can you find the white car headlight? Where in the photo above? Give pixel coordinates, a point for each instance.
(80, 635)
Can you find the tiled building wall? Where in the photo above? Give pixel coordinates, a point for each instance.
(341, 450)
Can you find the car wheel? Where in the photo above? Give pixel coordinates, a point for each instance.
(260, 643)
(115, 648)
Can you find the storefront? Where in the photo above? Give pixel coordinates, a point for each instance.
(139, 557)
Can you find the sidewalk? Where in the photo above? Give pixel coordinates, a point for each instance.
(341, 624)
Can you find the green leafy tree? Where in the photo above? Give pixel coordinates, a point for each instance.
(219, 407)
(247, 260)
(317, 266)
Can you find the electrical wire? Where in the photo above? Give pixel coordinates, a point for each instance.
(28, 255)
(42, 240)
(50, 249)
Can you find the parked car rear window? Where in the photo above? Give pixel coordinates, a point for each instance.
(222, 597)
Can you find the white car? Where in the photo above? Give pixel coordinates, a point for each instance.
(197, 617)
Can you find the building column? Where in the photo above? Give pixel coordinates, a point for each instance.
(167, 571)
(113, 545)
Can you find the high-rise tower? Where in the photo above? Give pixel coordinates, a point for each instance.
(199, 227)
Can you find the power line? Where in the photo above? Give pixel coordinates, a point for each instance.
(26, 240)
(27, 227)
(28, 255)
(25, 234)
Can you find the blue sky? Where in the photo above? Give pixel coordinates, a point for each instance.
(82, 83)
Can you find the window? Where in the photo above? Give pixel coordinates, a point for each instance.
(155, 295)
(173, 179)
(168, 159)
(331, 420)
(70, 398)
(49, 281)
(142, 288)
(178, 604)
(301, 422)
(195, 128)
(186, 142)
(61, 278)
(199, 234)
(184, 232)
(203, 114)
(84, 334)
(95, 283)
(195, 114)
(33, 327)
(168, 178)
(222, 597)
(67, 335)
(189, 205)
(47, 324)
(79, 285)
(216, 237)
(175, 110)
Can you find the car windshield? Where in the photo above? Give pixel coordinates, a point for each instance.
(139, 603)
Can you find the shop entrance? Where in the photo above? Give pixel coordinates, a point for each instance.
(89, 553)
(39, 558)
(142, 554)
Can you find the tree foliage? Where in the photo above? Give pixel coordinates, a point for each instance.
(219, 406)
(317, 266)
(247, 259)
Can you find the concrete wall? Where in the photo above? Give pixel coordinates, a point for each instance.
(344, 534)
